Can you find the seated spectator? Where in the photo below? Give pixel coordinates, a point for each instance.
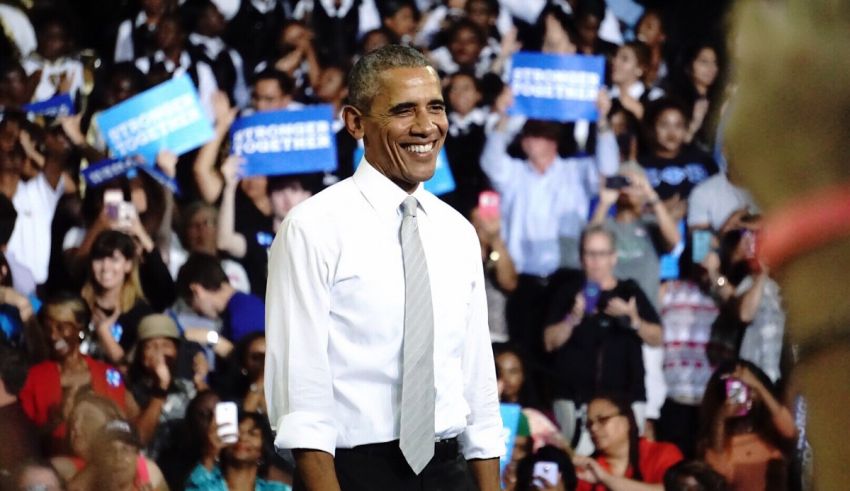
(526, 481)
(700, 88)
(32, 475)
(199, 233)
(588, 16)
(203, 286)
(596, 326)
(400, 19)
(117, 462)
(621, 459)
(49, 393)
(744, 429)
(500, 277)
(222, 465)
(14, 91)
(650, 30)
(114, 295)
(165, 375)
(186, 444)
(544, 206)
(90, 414)
(693, 475)
(51, 66)
(254, 27)
(246, 382)
(20, 441)
(206, 44)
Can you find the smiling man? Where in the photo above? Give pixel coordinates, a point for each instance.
(379, 372)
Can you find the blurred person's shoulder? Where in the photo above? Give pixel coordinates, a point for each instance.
(331, 203)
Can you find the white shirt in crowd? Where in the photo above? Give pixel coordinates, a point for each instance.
(51, 75)
(35, 201)
(207, 86)
(335, 321)
(714, 200)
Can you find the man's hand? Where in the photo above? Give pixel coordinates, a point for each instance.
(230, 170)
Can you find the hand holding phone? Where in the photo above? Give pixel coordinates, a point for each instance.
(488, 205)
(591, 294)
(545, 474)
(700, 245)
(226, 418)
(738, 393)
(617, 182)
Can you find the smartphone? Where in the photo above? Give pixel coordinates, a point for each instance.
(112, 199)
(125, 212)
(545, 471)
(488, 204)
(700, 245)
(591, 296)
(226, 418)
(617, 182)
(738, 392)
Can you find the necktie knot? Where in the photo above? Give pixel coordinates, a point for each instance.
(408, 206)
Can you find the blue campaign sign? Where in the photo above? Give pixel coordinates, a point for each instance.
(58, 105)
(286, 142)
(442, 182)
(106, 170)
(556, 87)
(510, 424)
(166, 117)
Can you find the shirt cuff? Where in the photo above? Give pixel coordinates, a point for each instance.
(303, 429)
(482, 441)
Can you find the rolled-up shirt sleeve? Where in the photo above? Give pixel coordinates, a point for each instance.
(298, 381)
(482, 438)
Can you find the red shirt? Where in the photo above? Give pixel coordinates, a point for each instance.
(41, 396)
(654, 458)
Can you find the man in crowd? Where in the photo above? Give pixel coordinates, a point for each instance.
(372, 350)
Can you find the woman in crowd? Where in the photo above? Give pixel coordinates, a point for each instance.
(745, 431)
(622, 459)
(699, 88)
(90, 414)
(49, 393)
(628, 69)
(114, 294)
(236, 467)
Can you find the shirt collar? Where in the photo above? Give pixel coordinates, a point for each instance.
(384, 195)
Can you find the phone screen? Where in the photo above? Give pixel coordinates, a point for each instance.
(488, 204)
(700, 245)
(591, 296)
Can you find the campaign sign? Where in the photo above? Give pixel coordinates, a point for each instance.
(58, 105)
(442, 182)
(108, 169)
(166, 117)
(286, 142)
(556, 87)
(510, 424)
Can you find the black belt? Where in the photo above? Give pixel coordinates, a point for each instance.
(446, 449)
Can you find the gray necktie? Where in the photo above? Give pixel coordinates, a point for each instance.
(417, 385)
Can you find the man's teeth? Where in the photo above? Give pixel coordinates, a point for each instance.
(419, 148)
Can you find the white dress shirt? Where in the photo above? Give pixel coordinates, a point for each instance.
(335, 321)
(35, 201)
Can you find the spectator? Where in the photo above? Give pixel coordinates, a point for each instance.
(90, 414)
(117, 462)
(49, 392)
(203, 285)
(165, 375)
(595, 327)
(295, 56)
(171, 59)
(566, 471)
(20, 443)
(206, 44)
(621, 459)
(466, 49)
(744, 429)
(247, 381)
(14, 91)
(544, 205)
(399, 18)
(693, 475)
(588, 15)
(254, 29)
(500, 276)
(701, 89)
(718, 204)
(236, 466)
(628, 69)
(650, 31)
(187, 443)
(135, 37)
(114, 295)
(51, 68)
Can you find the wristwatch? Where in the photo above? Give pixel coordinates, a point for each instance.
(212, 338)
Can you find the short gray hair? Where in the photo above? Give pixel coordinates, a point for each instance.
(363, 79)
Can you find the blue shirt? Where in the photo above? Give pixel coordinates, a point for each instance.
(245, 314)
(543, 214)
(213, 480)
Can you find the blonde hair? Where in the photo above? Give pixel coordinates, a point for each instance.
(106, 243)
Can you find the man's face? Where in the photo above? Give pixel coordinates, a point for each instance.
(283, 200)
(203, 301)
(405, 127)
(598, 257)
(268, 96)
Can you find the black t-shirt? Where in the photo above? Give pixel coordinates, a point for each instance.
(258, 230)
(127, 325)
(679, 174)
(603, 352)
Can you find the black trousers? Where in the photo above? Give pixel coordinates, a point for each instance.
(381, 466)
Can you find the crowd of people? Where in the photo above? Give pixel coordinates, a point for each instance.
(631, 317)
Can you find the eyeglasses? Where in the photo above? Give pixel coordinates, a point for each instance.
(601, 420)
(597, 254)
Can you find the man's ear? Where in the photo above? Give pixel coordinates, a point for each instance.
(353, 119)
